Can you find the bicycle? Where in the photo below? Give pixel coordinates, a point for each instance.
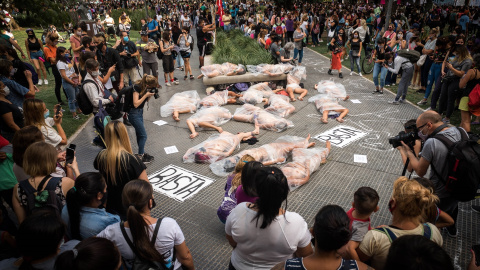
(367, 62)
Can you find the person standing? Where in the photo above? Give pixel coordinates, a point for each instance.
(298, 36)
(153, 29)
(107, 57)
(202, 30)
(355, 44)
(378, 69)
(184, 42)
(128, 52)
(227, 19)
(75, 42)
(149, 59)
(70, 79)
(289, 27)
(166, 46)
(51, 54)
(35, 52)
(337, 44)
(407, 75)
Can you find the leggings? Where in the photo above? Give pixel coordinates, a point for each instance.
(425, 69)
(290, 36)
(58, 82)
(448, 95)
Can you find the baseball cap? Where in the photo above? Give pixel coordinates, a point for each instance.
(143, 33)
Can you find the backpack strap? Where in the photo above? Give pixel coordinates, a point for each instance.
(448, 143)
(154, 238)
(127, 239)
(427, 231)
(391, 236)
(90, 81)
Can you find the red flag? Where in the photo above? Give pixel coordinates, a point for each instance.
(220, 11)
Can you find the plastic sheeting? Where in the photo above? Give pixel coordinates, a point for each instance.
(337, 90)
(218, 98)
(215, 70)
(216, 147)
(296, 75)
(276, 152)
(279, 105)
(183, 101)
(304, 163)
(266, 120)
(326, 102)
(216, 116)
(272, 70)
(251, 96)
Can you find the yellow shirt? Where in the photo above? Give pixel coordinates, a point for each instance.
(226, 19)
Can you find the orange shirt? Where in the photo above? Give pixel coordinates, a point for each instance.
(50, 52)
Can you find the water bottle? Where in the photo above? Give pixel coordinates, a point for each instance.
(122, 104)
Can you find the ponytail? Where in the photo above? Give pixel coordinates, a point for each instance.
(145, 82)
(135, 197)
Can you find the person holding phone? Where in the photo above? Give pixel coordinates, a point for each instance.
(184, 42)
(166, 46)
(70, 79)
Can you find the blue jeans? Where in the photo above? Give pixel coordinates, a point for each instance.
(353, 61)
(314, 39)
(71, 93)
(135, 116)
(433, 74)
(390, 78)
(379, 69)
(298, 53)
(179, 60)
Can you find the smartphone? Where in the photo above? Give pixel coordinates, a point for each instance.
(59, 109)
(70, 154)
(476, 250)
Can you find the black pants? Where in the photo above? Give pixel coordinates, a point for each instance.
(448, 95)
(58, 83)
(450, 206)
(290, 36)
(230, 266)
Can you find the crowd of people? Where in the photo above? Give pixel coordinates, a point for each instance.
(103, 220)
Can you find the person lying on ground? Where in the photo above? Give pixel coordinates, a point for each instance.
(227, 69)
(326, 104)
(211, 117)
(249, 113)
(279, 105)
(219, 98)
(184, 102)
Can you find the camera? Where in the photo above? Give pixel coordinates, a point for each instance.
(408, 138)
(155, 91)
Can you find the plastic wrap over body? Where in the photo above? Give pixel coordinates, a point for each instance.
(326, 102)
(276, 152)
(216, 116)
(263, 88)
(251, 96)
(266, 120)
(297, 74)
(279, 105)
(218, 98)
(214, 148)
(336, 90)
(183, 101)
(304, 163)
(215, 70)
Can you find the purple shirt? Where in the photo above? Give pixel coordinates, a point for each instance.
(243, 197)
(289, 25)
(229, 201)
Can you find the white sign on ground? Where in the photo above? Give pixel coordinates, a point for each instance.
(359, 158)
(178, 183)
(171, 149)
(160, 122)
(355, 101)
(341, 136)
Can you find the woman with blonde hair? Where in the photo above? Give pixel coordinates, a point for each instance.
(118, 165)
(39, 161)
(37, 114)
(261, 38)
(233, 181)
(407, 204)
(363, 31)
(142, 91)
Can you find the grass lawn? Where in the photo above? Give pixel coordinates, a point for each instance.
(47, 92)
(412, 95)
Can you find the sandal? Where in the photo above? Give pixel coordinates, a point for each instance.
(192, 77)
(185, 77)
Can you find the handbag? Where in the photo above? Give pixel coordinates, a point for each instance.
(422, 59)
(130, 62)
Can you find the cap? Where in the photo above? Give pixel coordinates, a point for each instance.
(143, 33)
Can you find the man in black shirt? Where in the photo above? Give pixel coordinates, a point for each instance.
(202, 30)
(108, 57)
(128, 52)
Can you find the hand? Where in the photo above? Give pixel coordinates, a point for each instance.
(121, 85)
(112, 68)
(30, 60)
(23, 56)
(149, 94)
(28, 74)
(124, 53)
(118, 42)
(443, 73)
(449, 66)
(140, 63)
(36, 89)
(57, 118)
(110, 98)
(358, 55)
(405, 148)
(61, 156)
(74, 164)
(472, 265)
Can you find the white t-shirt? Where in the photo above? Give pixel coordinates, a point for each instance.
(264, 248)
(159, 18)
(50, 134)
(69, 69)
(169, 235)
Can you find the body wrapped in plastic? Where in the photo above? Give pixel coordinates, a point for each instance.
(218, 98)
(182, 101)
(276, 152)
(326, 102)
(266, 120)
(336, 90)
(215, 115)
(271, 70)
(251, 96)
(216, 147)
(263, 88)
(227, 69)
(279, 105)
(297, 74)
(304, 163)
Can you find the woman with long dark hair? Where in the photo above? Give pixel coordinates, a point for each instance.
(35, 54)
(264, 233)
(70, 79)
(166, 46)
(85, 213)
(140, 228)
(337, 45)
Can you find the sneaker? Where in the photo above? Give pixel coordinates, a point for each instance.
(76, 117)
(147, 156)
(360, 74)
(175, 82)
(126, 122)
(168, 84)
(340, 75)
(329, 72)
(476, 208)
(351, 73)
(395, 102)
(422, 102)
(428, 109)
(452, 231)
(393, 84)
(402, 101)
(45, 82)
(388, 85)
(39, 82)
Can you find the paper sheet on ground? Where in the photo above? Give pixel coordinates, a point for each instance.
(359, 158)
(355, 101)
(171, 149)
(160, 122)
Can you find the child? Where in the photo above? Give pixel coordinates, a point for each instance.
(233, 181)
(365, 202)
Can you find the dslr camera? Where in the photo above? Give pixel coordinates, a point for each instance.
(155, 92)
(408, 137)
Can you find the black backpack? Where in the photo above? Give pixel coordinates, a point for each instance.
(463, 165)
(412, 55)
(83, 101)
(127, 94)
(46, 198)
(139, 263)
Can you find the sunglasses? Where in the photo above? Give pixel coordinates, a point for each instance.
(420, 127)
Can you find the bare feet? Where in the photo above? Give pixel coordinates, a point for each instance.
(308, 137)
(312, 144)
(176, 118)
(219, 129)
(300, 98)
(328, 145)
(347, 97)
(293, 99)
(325, 121)
(340, 120)
(193, 135)
(200, 76)
(256, 131)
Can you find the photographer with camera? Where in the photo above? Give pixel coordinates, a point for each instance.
(128, 52)
(434, 153)
(107, 57)
(142, 91)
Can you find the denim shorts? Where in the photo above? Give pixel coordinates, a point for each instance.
(36, 55)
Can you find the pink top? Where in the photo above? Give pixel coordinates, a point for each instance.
(76, 40)
(243, 197)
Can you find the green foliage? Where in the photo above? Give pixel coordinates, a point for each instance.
(135, 16)
(235, 48)
(41, 12)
